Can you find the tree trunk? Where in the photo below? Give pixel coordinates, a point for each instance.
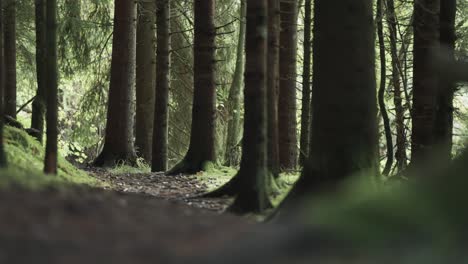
(234, 101)
(381, 95)
(400, 154)
(273, 86)
(306, 86)
(426, 81)
(344, 131)
(3, 162)
(202, 138)
(252, 176)
(444, 115)
(145, 78)
(39, 103)
(287, 93)
(51, 152)
(161, 114)
(118, 146)
(10, 57)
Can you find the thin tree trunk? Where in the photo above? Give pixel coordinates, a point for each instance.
(3, 161)
(344, 131)
(381, 94)
(426, 82)
(145, 78)
(234, 100)
(287, 93)
(400, 153)
(39, 103)
(444, 116)
(161, 114)
(306, 85)
(202, 137)
(273, 86)
(10, 58)
(118, 145)
(51, 152)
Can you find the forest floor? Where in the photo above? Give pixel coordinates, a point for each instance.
(138, 218)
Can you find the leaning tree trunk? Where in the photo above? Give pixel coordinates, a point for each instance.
(273, 86)
(306, 85)
(3, 162)
(161, 114)
(400, 153)
(381, 94)
(426, 82)
(10, 57)
(39, 103)
(287, 93)
(118, 145)
(51, 152)
(202, 138)
(444, 115)
(145, 78)
(234, 101)
(344, 130)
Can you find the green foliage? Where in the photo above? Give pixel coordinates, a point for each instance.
(25, 157)
(216, 176)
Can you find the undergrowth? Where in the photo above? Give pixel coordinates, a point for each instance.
(25, 157)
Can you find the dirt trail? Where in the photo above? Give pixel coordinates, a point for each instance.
(147, 218)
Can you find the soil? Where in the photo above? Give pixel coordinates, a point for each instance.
(142, 218)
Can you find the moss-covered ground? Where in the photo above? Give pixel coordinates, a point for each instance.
(25, 157)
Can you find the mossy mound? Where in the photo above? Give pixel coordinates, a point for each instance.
(25, 158)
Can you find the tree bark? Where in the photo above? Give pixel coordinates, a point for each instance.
(306, 85)
(273, 86)
(444, 115)
(344, 132)
(381, 94)
(161, 114)
(234, 101)
(426, 81)
(39, 103)
(118, 146)
(400, 154)
(3, 161)
(287, 93)
(51, 151)
(145, 78)
(10, 57)
(202, 138)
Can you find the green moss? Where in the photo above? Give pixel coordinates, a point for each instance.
(25, 160)
(216, 176)
(141, 167)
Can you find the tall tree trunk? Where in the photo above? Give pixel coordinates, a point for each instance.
(118, 146)
(51, 152)
(273, 86)
(3, 162)
(400, 154)
(39, 103)
(344, 130)
(250, 183)
(287, 93)
(161, 114)
(234, 101)
(306, 89)
(444, 115)
(10, 58)
(426, 82)
(145, 78)
(202, 138)
(381, 95)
